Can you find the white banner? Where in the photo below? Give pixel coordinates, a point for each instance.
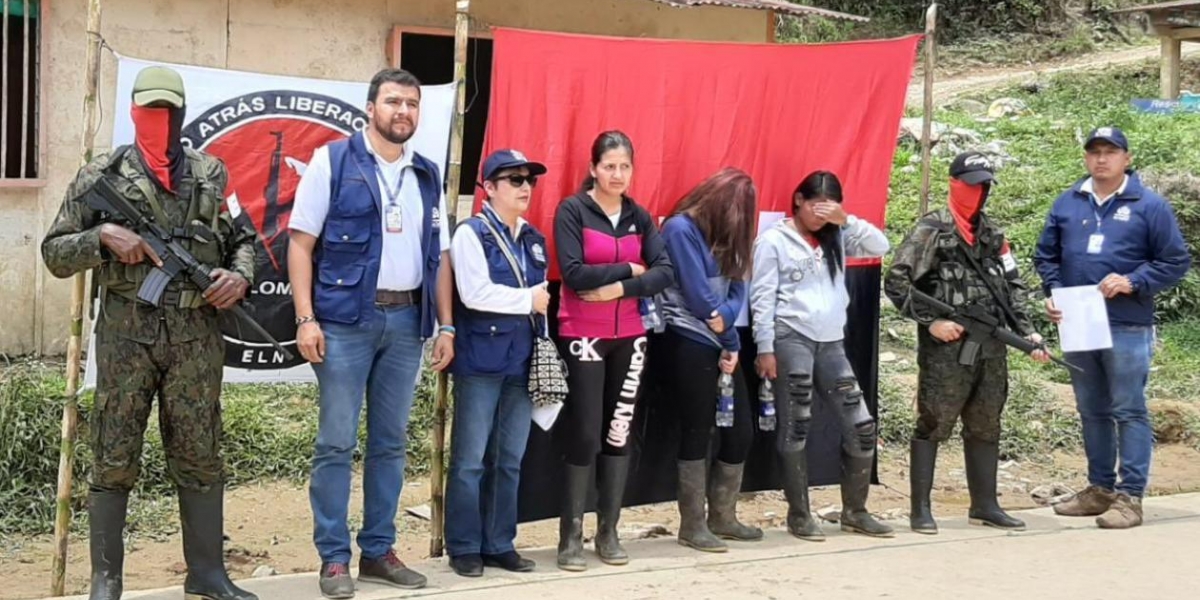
(266, 128)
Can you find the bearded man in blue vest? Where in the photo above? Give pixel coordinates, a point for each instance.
(369, 268)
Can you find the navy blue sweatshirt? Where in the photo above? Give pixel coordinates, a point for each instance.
(1142, 241)
(699, 287)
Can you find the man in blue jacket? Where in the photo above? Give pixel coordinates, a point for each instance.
(1108, 230)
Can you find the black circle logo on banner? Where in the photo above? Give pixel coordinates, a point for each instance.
(266, 140)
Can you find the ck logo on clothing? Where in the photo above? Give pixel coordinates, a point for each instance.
(585, 349)
(1122, 214)
(437, 217)
(539, 254)
(622, 418)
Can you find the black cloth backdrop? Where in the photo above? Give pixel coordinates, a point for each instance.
(656, 429)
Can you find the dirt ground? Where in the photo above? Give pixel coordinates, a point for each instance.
(271, 524)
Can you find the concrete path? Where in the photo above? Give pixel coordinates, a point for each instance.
(1057, 558)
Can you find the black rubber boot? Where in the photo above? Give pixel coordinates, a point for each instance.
(612, 473)
(922, 459)
(981, 459)
(570, 521)
(693, 528)
(800, 521)
(106, 515)
(724, 485)
(202, 515)
(856, 484)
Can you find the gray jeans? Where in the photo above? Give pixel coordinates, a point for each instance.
(811, 369)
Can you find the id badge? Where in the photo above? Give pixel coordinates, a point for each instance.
(392, 219)
(1095, 243)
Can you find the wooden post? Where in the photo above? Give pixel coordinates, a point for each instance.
(927, 121)
(462, 31)
(66, 453)
(1169, 67)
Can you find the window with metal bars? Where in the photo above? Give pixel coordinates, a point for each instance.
(19, 124)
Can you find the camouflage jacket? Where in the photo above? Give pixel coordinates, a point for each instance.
(72, 243)
(933, 258)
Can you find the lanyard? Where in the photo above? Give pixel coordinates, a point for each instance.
(506, 236)
(392, 193)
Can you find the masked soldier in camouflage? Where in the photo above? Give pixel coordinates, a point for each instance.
(174, 352)
(959, 256)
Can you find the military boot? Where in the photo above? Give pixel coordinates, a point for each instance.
(922, 458)
(800, 521)
(106, 515)
(693, 530)
(612, 473)
(856, 484)
(724, 485)
(202, 517)
(570, 521)
(981, 460)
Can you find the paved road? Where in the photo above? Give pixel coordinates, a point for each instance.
(1058, 558)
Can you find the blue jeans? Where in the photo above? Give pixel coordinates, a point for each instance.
(491, 425)
(379, 359)
(1110, 394)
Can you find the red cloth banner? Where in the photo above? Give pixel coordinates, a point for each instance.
(777, 112)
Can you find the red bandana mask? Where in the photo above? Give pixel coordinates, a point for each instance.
(157, 137)
(966, 201)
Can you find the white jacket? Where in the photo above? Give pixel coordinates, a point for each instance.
(791, 283)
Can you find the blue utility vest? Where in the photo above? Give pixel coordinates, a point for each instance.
(348, 254)
(489, 343)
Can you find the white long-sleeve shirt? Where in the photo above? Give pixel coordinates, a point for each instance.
(475, 286)
(791, 283)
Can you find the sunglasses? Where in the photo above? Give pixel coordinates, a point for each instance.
(519, 180)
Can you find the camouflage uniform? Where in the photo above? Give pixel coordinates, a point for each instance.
(175, 352)
(933, 258)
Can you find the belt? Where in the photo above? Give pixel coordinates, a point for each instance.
(394, 298)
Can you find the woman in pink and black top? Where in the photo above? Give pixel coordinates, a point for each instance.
(611, 256)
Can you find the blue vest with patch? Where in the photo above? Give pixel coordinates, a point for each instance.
(488, 343)
(348, 254)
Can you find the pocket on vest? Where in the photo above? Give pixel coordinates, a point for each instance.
(338, 291)
(348, 236)
(491, 347)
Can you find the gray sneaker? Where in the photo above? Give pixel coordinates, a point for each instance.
(1092, 501)
(336, 582)
(389, 570)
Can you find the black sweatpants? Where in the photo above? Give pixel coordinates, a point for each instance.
(605, 381)
(690, 383)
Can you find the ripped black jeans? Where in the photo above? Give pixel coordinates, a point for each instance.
(808, 370)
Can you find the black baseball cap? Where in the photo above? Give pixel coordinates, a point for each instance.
(973, 168)
(509, 159)
(1111, 135)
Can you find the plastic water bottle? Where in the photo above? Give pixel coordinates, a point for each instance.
(651, 319)
(766, 404)
(725, 400)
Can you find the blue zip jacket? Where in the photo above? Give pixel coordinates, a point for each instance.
(699, 287)
(1142, 241)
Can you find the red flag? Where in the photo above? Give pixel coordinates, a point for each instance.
(777, 112)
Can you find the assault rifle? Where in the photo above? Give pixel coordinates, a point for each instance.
(979, 323)
(175, 258)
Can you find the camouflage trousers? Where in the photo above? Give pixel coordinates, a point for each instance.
(186, 378)
(947, 390)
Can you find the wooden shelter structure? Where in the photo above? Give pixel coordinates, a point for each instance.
(1173, 23)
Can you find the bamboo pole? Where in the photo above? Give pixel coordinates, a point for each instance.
(4, 104)
(66, 457)
(927, 120)
(453, 177)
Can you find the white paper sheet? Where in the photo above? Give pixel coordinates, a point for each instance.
(1084, 325)
(545, 416)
